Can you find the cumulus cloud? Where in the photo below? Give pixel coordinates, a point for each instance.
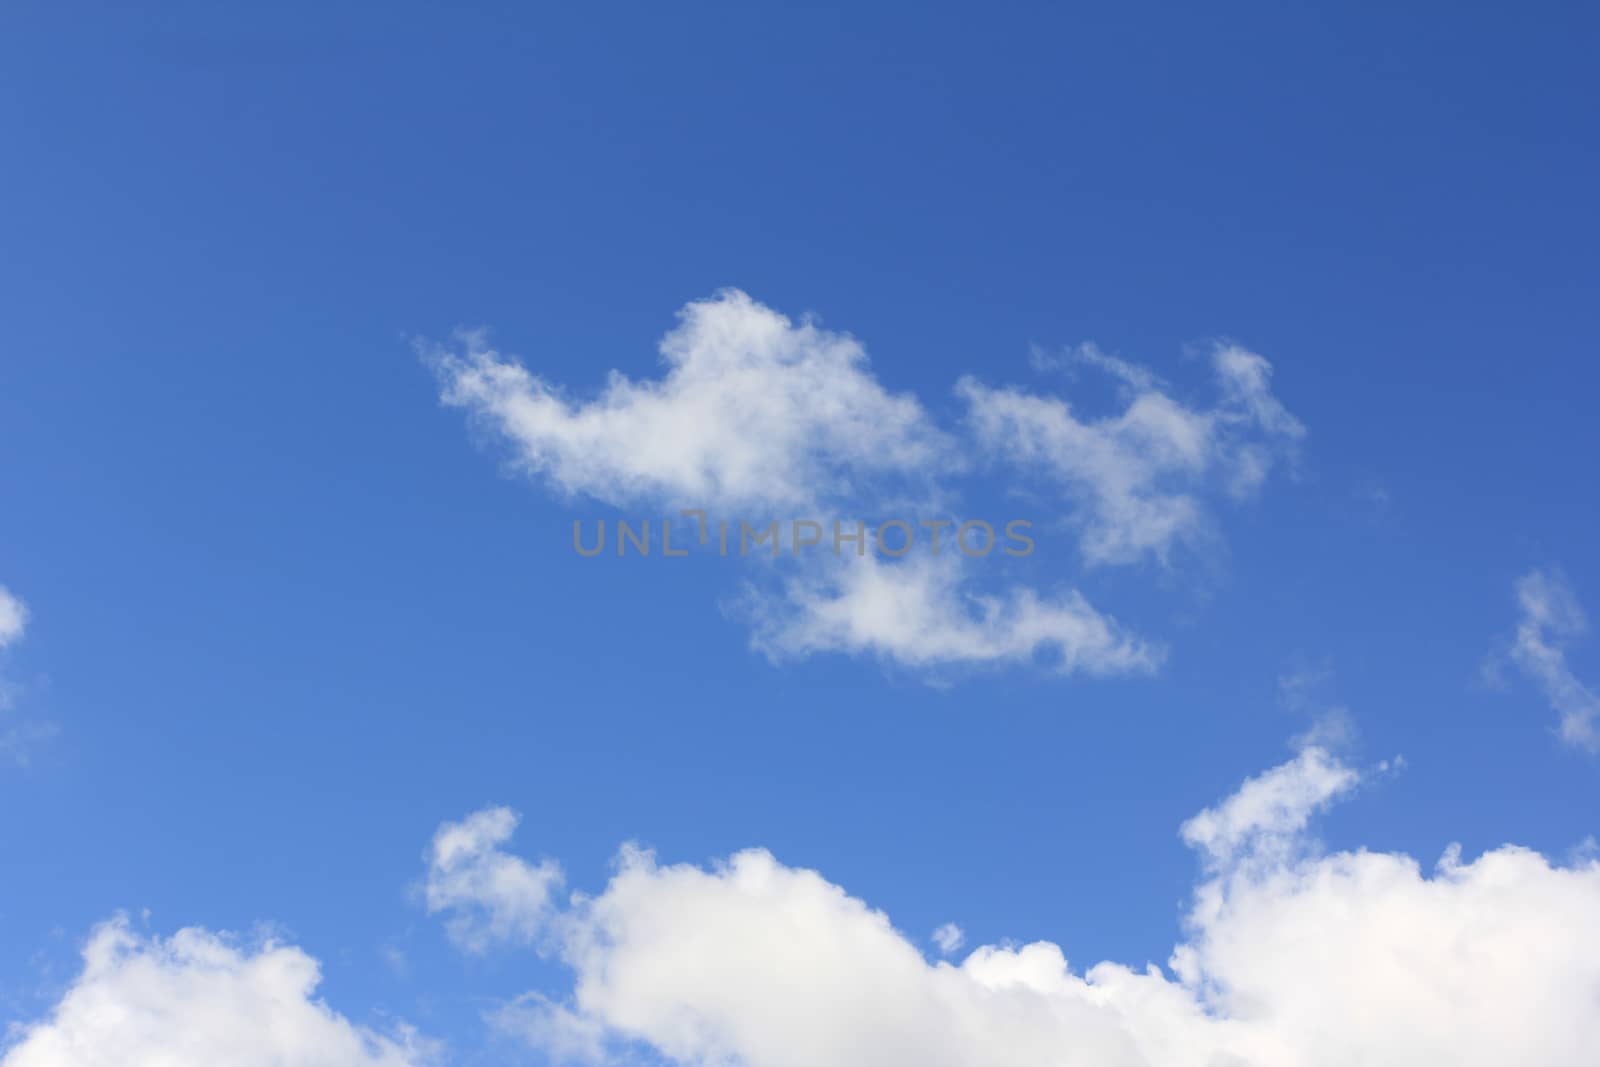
(1135, 479)
(1551, 619)
(920, 613)
(1292, 958)
(198, 999)
(753, 410)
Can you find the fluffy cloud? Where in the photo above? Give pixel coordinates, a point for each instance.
(198, 1000)
(920, 613)
(1134, 479)
(754, 410)
(1551, 618)
(1293, 958)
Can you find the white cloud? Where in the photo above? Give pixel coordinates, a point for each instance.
(1304, 689)
(13, 617)
(754, 410)
(1551, 618)
(1269, 812)
(949, 937)
(199, 1000)
(1292, 958)
(562, 1034)
(491, 896)
(1246, 381)
(759, 417)
(1089, 354)
(921, 612)
(1134, 479)
(17, 737)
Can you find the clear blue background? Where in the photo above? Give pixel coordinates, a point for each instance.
(287, 617)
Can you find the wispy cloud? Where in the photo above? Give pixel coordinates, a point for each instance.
(1551, 620)
(13, 618)
(18, 737)
(920, 613)
(1088, 354)
(1269, 812)
(1134, 481)
(755, 410)
(949, 938)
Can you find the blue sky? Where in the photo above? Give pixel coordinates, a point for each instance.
(290, 608)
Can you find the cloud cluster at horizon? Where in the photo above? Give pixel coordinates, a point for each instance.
(1292, 957)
